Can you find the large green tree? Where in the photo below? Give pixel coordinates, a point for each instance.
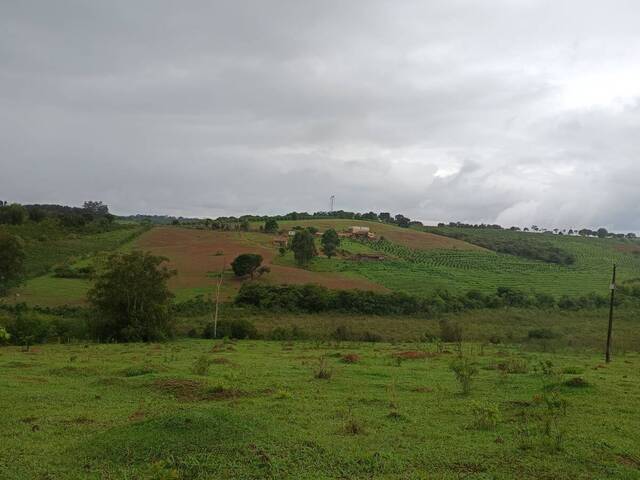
(131, 298)
(12, 258)
(330, 242)
(246, 264)
(270, 225)
(303, 246)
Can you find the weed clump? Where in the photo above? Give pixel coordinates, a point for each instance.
(323, 372)
(201, 365)
(486, 416)
(514, 365)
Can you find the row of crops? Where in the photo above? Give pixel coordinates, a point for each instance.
(423, 271)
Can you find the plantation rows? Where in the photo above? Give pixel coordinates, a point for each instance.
(421, 272)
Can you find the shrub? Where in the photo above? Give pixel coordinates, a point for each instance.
(465, 370)
(486, 416)
(246, 264)
(28, 328)
(288, 333)
(541, 334)
(239, 329)
(450, 332)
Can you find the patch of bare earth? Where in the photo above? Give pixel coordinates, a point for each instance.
(197, 254)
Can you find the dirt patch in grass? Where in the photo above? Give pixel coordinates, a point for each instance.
(422, 390)
(193, 390)
(350, 358)
(629, 461)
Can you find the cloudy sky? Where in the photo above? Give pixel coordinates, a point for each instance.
(509, 111)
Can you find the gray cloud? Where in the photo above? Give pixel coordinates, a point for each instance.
(516, 112)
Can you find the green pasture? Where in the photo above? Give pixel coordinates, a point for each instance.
(198, 409)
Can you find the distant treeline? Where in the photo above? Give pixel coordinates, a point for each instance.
(584, 232)
(242, 222)
(69, 217)
(315, 299)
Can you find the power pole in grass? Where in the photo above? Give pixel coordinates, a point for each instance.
(219, 284)
(612, 287)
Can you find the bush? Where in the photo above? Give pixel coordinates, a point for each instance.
(239, 329)
(291, 333)
(465, 370)
(246, 264)
(28, 328)
(541, 334)
(450, 332)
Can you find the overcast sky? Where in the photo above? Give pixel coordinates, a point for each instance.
(510, 111)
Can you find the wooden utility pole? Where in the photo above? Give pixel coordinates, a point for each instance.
(219, 284)
(612, 287)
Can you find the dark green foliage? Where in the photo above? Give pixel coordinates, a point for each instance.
(303, 246)
(288, 333)
(28, 328)
(238, 328)
(330, 242)
(68, 271)
(246, 264)
(542, 334)
(450, 331)
(314, 298)
(12, 258)
(13, 214)
(271, 225)
(193, 307)
(132, 300)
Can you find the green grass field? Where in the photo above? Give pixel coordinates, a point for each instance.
(140, 411)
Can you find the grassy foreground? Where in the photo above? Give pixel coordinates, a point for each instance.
(255, 409)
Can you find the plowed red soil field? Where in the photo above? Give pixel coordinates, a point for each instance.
(198, 255)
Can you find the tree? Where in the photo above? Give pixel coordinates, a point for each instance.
(303, 246)
(402, 221)
(14, 214)
(95, 208)
(385, 217)
(246, 264)
(28, 328)
(270, 225)
(330, 242)
(602, 232)
(12, 258)
(131, 298)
